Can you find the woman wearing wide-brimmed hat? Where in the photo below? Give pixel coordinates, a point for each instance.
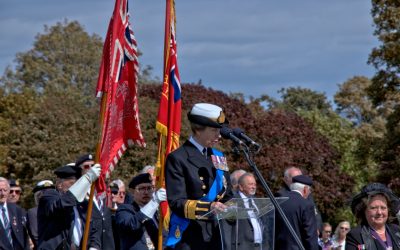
(372, 207)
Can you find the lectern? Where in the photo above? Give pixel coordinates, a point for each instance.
(235, 223)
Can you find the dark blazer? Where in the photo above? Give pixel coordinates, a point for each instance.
(361, 235)
(285, 190)
(242, 232)
(33, 226)
(189, 176)
(19, 233)
(301, 216)
(102, 228)
(56, 220)
(131, 225)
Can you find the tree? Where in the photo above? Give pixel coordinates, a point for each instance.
(64, 56)
(295, 99)
(384, 89)
(58, 122)
(386, 57)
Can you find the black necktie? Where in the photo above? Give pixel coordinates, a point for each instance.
(205, 152)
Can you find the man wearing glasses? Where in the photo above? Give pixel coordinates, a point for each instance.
(13, 234)
(101, 214)
(136, 222)
(325, 241)
(15, 191)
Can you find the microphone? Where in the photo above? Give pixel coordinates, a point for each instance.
(227, 133)
(239, 133)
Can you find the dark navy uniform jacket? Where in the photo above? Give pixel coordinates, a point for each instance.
(131, 225)
(17, 217)
(301, 215)
(102, 226)
(56, 220)
(189, 176)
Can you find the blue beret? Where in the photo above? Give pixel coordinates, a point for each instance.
(139, 179)
(83, 158)
(303, 179)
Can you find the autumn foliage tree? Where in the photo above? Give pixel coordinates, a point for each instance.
(49, 117)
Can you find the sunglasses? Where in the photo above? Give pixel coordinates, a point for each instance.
(15, 191)
(345, 228)
(115, 192)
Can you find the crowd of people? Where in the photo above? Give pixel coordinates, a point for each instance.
(210, 208)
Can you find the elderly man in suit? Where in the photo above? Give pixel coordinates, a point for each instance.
(197, 181)
(32, 223)
(249, 233)
(13, 233)
(300, 214)
(62, 212)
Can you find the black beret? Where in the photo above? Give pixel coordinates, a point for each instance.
(114, 187)
(207, 114)
(303, 179)
(41, 185)
(83, 158)
(68, 171)
(372, 189)
(13, 183)
(139, 179)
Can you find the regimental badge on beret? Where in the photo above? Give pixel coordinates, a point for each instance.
(83, 158)
(14, 183)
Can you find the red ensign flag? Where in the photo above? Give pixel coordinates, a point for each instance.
(169, 114)
(117, 84)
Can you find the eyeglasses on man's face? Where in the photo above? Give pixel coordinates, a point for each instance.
(16, 191)
(145, 189)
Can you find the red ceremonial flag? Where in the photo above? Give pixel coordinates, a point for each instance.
(169, 114)
(117, 85)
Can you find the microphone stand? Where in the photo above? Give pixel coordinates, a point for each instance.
(245, 151)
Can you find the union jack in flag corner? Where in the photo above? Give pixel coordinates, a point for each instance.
(117, 86)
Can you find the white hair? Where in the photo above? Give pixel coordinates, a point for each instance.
(119, 183)
(297, 186)
(236, 175)
(2, 179)
(147, 168)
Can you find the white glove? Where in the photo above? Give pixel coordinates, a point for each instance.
(151, 207)
(93, 173)
(160, 195)
(82, 186)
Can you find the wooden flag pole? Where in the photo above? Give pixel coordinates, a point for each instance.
(96, 160)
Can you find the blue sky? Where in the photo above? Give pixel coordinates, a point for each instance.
(254, 47)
